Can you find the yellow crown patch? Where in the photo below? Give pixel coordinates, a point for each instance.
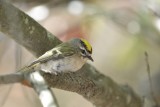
(87, 44)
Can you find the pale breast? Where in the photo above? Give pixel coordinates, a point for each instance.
(64, 65)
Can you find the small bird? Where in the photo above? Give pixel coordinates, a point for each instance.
(69, 56)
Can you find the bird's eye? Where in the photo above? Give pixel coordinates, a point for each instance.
(83, 51)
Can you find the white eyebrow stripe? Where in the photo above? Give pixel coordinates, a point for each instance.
(87, 53)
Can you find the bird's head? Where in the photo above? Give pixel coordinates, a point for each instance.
(84, 48)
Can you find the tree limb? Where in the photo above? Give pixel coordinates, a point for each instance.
(88, 82)
(44, 92)
(24, 30)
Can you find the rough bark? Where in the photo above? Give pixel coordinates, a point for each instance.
(24, 30)
(100, 90)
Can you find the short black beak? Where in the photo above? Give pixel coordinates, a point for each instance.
(90, 58)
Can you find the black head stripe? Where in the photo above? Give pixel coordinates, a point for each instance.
(90, 51)
(86, 47)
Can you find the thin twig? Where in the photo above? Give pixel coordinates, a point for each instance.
(150, 80)
(11, 78)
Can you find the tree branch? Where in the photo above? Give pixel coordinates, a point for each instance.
(88, 82)
(44, 92)
(24, 30)
(97, 88)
